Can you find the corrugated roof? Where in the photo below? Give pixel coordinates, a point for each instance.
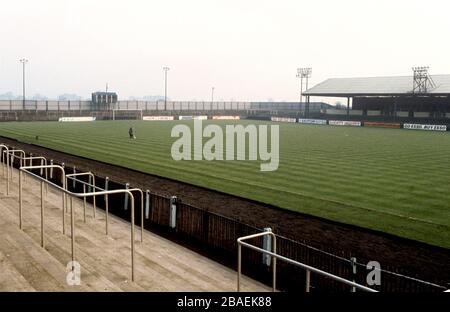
(399, 85)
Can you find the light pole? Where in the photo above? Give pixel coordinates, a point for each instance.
(166, 69)
(23, 61)
(212, 96)
(304, 72)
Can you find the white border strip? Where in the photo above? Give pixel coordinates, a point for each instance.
(283, 119)
(192, 117)
(76, 119)
(226, 117)
(313, 121)
(151, 118)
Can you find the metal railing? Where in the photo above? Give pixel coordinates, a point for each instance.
(78, 195)
(23, 161)
(94, 187)
(275, 256)
(43, 163)
(12, 153)
(5, 166)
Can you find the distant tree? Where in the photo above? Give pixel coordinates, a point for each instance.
(134, 98)
(9, 96)
(154, 98)
(38, 97)
(69, 97)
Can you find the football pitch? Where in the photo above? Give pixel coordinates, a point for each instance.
(391, 180)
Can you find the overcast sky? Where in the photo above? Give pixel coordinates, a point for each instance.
(246, 49)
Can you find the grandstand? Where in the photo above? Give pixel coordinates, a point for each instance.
(389, 98)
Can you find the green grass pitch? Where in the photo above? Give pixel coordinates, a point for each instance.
(391, 180)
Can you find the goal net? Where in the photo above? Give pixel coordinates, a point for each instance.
(126, 114)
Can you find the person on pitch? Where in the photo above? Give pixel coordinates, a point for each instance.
(131, 133)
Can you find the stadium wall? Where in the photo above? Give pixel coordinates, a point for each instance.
(53, 110)
(50, 105)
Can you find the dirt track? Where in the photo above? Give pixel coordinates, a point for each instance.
(411, 257)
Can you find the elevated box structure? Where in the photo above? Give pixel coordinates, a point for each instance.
(104, 100)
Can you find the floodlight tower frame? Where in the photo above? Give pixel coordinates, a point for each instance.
(303, 72)
(422, 80)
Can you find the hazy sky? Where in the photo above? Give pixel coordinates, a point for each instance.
(246, 49)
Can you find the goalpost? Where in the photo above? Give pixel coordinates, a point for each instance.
(116, 112)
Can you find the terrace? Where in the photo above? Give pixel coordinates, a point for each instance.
(105, 263)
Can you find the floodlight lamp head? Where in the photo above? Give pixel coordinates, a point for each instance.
(304, 72)
(421, 68)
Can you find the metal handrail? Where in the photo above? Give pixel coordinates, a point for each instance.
(72, 177)
(63, 182)
(275, 256)
(274, 259)
(12, 152)
(23, 160)
(3, 146)
(8, 160)
(78, 195)
(43, 160)
(142, 210)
